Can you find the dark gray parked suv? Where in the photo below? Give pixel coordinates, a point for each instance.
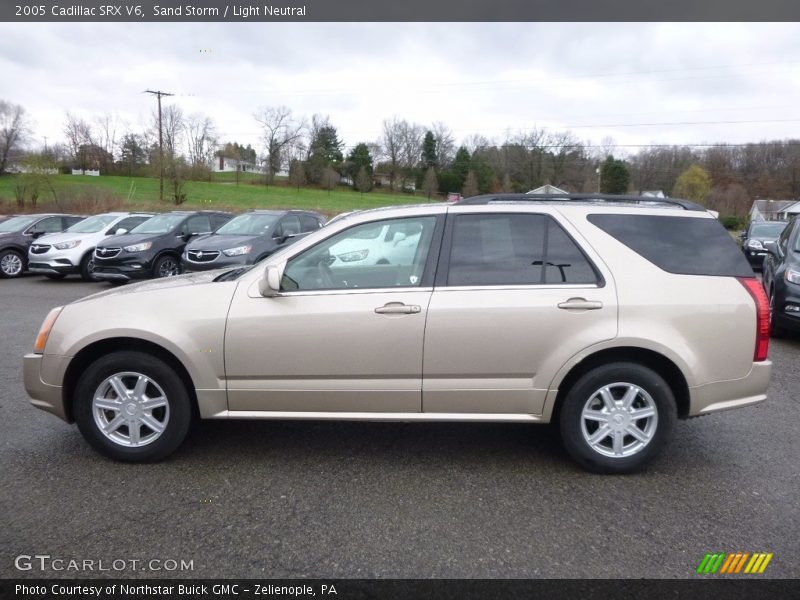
(17, 234)
(248, 238)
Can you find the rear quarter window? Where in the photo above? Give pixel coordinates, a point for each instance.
(681, 245)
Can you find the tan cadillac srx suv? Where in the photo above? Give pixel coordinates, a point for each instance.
(611, 316)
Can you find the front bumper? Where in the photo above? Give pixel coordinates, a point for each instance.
(52, 268)
(787, 306)
(733, 393)
(755, 257)
(43, 395)
(122, 269)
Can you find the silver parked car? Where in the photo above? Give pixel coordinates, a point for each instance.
(611, 317)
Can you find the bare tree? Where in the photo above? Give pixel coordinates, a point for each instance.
(363, 180)
(297, 174)
(430, 184)
(80, 137)
(560, 146)
(172, 123)
(106, 138)
(411, 136)
(391, 146)
(470, 186)
(280, 132)
(201, 140)
(14, 128)
(445, 144)
(329, 179)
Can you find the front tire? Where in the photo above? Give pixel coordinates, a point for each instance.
(617, 417)
(12, 264)
(132, 407)
(87, 267)
(166, 266)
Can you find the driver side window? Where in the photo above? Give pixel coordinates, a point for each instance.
(381, 254)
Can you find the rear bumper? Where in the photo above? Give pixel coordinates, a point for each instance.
(734, 393)
(43, 395)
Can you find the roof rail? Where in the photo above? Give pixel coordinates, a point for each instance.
(585, 198)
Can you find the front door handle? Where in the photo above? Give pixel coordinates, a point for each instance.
(397, 308)
(580, 304)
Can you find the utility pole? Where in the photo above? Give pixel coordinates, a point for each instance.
(158, 95)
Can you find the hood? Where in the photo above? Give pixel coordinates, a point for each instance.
(158, 284)
(223, 242)
(55, 238)
(128, 239)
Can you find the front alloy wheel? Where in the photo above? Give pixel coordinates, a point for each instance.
(133, 407)
(10, 264)
(617, 417)
(167, 267)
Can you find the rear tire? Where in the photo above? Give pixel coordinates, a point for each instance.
(132, 407)
(87, 267)
(617, 417)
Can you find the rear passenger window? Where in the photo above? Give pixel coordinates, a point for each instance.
(515, 249)
(682, 245)
(198, 224)
(309, 223)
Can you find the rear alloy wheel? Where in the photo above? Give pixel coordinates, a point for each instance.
(617, 417)
(132, 407)
(166, 266)
(87, 267)
(11, 264)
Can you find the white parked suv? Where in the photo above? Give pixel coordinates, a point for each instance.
(71, 251)
(610, 317)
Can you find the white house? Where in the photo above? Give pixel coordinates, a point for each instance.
(790, 211)
(226, 165)
(772, 210)
(653, 194)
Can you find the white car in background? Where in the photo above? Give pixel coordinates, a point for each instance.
(71, 251)
(386, 244)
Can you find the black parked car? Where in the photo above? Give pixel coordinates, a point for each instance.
(754, 238)
(17, 234)
(782, 279)
(248, 238)
(153, 249)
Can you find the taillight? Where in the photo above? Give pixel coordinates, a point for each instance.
(753, 285)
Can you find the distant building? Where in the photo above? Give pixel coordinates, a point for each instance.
(547, 189)
(227, 165)
(790, 211)
(653, 194)
(773, 210)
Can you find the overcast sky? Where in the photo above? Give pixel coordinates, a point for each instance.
(596, 79)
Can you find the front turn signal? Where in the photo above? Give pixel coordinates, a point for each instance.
(44, 330)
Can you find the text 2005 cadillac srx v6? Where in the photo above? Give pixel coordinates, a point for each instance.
(612, 317)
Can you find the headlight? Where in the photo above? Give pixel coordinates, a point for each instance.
(44, 330)
(139, 247)
(792, 276)
(238, 251)
(67, 245)
(754, 245)
(353, 256)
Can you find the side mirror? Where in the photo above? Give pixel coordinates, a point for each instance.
(398, 237)
(36, 233)
(121, 231)
(270, 285)
(772, 248)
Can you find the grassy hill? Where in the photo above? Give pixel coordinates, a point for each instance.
(93, 194)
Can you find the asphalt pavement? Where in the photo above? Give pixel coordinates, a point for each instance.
(347, 500)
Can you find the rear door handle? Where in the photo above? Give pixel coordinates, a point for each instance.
(580, 304)
(398, 308)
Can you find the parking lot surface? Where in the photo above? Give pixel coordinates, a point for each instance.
(305, 499)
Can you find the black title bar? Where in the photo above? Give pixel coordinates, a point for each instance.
(396, 10)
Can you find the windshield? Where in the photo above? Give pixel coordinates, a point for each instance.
(159, 224)
(767, 230)
(92, 224)
(248, 224)
(17, 224)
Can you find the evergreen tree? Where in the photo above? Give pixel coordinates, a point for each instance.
(429, 158)
(614, 176)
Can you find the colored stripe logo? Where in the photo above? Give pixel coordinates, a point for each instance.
(734, 563)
